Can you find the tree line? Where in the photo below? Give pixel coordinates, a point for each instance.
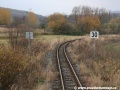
(82, 20)
(5, 16)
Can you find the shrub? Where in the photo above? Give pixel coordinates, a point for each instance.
(103, 70)
(12, 62)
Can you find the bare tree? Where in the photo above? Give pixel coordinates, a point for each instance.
(76, 13)
(17, 30)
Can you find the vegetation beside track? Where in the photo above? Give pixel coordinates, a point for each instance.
(35, 74)
(104, 69)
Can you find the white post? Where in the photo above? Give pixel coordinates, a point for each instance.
(94, 48)
(29, 43)
(94, 35)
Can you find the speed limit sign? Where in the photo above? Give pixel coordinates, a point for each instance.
(94, 34)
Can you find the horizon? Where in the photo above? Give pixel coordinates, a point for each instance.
(46, 8)
(54, 12)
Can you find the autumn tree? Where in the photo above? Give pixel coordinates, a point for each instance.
(88, 23)
(5, 16)
(32, 20)
(81, 11)
(114, 25)
(75, 14)
(19, 21)
(104, 15)
(17, 30)
(56, 22)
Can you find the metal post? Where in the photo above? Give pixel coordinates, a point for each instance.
(29, 43)
(94, 48)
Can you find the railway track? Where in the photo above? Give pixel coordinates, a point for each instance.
(69, 76)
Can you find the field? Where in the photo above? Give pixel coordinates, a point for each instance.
(35, 73)
(103, 70)
(4, 35)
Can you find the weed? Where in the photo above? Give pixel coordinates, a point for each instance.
(104, 70)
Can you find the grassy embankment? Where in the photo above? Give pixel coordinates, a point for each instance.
(31, 70)
(104, 70)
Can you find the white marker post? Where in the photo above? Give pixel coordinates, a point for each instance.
(94, 35)
(29, 36)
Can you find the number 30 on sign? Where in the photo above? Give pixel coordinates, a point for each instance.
(94, 34)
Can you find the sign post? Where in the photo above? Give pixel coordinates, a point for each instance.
(29, 36)
(94, 35)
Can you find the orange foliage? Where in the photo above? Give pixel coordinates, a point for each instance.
(32, 18)
(114, 25)
(56, 21)
(5, 16)
(88, 23)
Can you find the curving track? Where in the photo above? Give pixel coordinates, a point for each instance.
(68, 73)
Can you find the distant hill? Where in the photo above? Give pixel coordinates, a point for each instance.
(115, 14)
(22, 13)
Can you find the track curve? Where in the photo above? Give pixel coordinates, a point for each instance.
(69, 78)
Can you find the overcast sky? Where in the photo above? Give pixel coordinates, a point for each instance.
(47, 7)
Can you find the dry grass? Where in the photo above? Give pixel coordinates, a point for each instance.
(35, 71)
(38, 74)
(45, 86)
(12, 62)
(104, 69)
(2, 29)
(48, 74)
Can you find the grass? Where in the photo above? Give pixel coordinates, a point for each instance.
(51, 37)
(4, 41)
(113, 46)
(53, 41)
(38, 75)
(42, 37)
(104, 70)
(39, 36)
(45, 86)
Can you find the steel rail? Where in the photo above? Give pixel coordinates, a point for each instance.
(68, 61)
(59, 67)
(72, 69)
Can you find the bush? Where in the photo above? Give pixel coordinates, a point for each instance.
(12, 62)
(35, 70)
(104, 68)
(67, 29)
